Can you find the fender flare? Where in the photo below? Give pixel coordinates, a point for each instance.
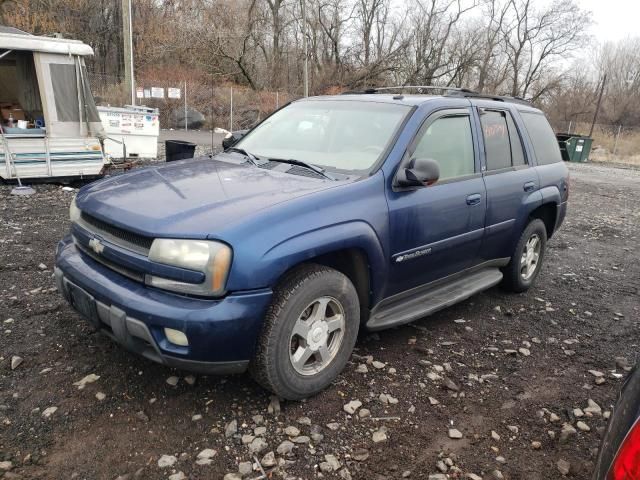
(308, 245)
(551, 194)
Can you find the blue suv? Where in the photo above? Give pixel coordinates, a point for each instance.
(333, 215)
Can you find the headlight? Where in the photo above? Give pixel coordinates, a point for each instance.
(211, 258)
(74, 211)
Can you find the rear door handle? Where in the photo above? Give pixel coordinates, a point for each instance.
(529, 186)
(473, 199)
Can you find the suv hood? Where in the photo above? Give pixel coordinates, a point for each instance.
(191, 199)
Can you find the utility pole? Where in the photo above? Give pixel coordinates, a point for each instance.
(595, 116)
(306, 54)
(186, 125)
(127, 30)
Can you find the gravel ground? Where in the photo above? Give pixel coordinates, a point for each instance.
(498, 386)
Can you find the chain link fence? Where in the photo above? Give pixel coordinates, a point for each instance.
(192, 104)
(203, 104)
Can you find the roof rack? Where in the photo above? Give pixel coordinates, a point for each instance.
(449, 92)
(407, 87)
(486, 96)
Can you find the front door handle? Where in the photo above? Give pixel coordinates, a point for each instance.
(473, 199)
(529, 186)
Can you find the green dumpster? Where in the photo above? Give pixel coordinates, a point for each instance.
(574, 148)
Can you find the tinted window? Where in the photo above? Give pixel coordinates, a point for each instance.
(517, 153)
(544, 141)
(448, 141)
(496, 139)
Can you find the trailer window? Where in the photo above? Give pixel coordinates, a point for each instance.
(65, 91)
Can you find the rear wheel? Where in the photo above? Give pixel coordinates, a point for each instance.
(309, 332)
(526, 261)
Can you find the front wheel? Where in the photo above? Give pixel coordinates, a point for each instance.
(526, 261)
(309, 332)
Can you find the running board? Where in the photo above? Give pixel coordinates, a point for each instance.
(409, 308)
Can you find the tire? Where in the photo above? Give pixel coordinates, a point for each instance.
(518, 277)
(294, 321)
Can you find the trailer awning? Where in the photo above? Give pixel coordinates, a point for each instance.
(16, 41)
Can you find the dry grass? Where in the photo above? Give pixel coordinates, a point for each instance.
(603, 157)
(627, 148)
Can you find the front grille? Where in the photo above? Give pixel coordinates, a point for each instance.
(127, 272)
(116, 235)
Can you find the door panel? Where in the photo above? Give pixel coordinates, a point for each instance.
(511, 184)
(507, 207)
(437, 230)
(434, 232)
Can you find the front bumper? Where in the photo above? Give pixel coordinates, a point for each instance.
(222, 333)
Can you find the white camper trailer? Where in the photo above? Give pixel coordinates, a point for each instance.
(49, 124)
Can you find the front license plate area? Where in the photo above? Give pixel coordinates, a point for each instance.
(84, 304)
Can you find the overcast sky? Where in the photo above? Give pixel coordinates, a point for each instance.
(613, 19)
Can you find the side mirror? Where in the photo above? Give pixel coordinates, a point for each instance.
(232, 138)
(420, 172)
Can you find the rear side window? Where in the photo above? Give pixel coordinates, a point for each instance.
(544, 141)
(496, 139)
(502, 143)
(448, 141)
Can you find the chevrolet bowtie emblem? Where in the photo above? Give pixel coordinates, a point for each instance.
(96, 245)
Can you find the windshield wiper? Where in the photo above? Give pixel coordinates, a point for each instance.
(250, 156)
(309, 166)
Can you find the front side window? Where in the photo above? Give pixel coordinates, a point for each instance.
(449, 142)
(345, 135)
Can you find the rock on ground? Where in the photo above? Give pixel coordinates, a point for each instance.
(352, 406)
(563, 467)
(167, 461)
(15, 362)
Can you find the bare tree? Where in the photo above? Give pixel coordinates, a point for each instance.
(535, 38)
(276, 11)
(491, 54)
(367, 12)
(621, 62)
(236, 46)
(333, 17)
(521, 47)
(433, 23)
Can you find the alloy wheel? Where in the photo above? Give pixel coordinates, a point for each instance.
(530, 257)
(317, 336)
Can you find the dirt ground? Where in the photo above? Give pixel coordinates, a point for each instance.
(514, 365)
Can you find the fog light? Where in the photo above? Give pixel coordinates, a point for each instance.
(176, 337)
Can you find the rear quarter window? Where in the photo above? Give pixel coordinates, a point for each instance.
(544, 140)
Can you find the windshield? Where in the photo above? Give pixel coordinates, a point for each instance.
(335, 134)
